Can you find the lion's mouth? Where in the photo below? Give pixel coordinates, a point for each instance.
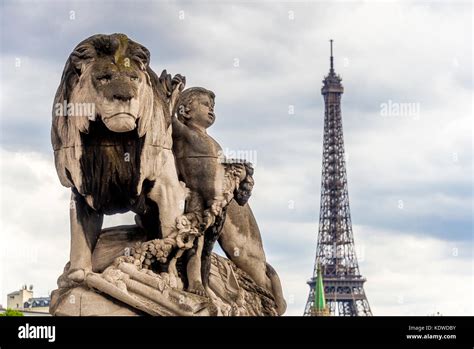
(121, 115)
(120, 122)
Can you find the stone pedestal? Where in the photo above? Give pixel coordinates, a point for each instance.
(118, 287)
(82, 301)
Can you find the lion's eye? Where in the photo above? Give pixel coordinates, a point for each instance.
(104, 79)
(134, 78)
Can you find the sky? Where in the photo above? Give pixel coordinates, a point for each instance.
(409, 173)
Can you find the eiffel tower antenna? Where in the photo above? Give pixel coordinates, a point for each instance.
(332, 58)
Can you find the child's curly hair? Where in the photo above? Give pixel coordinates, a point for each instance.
(242, 194)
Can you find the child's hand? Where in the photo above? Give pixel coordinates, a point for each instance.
(179, 82)
(177, 85)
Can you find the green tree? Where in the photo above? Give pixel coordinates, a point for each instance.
(12, 312)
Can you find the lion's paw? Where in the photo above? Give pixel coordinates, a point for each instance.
(77, 275)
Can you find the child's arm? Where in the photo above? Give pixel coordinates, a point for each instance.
(178, 83)
(179, 128)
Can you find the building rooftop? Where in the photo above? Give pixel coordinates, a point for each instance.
(37, 302)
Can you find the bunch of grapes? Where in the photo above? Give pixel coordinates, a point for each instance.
(157, 250)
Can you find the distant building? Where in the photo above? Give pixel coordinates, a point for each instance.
(17, 299)
(37, 304)
(24, 301)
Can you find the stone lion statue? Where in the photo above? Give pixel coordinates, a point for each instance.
(111, 135)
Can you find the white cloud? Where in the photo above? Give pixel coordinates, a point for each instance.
(30, 88)
(413, 275)
(34, 220)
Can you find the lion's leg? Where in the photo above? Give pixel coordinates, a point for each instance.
(169, 195)
(86, 225)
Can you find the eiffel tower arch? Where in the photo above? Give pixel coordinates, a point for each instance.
(335, 253)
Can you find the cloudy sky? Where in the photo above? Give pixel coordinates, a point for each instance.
(410, 173)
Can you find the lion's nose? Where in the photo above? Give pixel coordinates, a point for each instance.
(123, 96)
(121, 91)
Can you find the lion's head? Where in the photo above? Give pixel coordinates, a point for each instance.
(107, 79)
(109, 73)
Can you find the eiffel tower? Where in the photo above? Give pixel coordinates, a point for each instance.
(335, 254)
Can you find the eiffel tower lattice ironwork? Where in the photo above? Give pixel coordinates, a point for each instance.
(335, 253)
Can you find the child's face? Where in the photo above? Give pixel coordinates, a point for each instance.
(202, 111)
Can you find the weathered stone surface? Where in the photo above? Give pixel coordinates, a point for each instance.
(142, 145)
(82, 301)
(116, 155)
(115, 242)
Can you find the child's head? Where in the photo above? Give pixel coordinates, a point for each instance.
(196, 106)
